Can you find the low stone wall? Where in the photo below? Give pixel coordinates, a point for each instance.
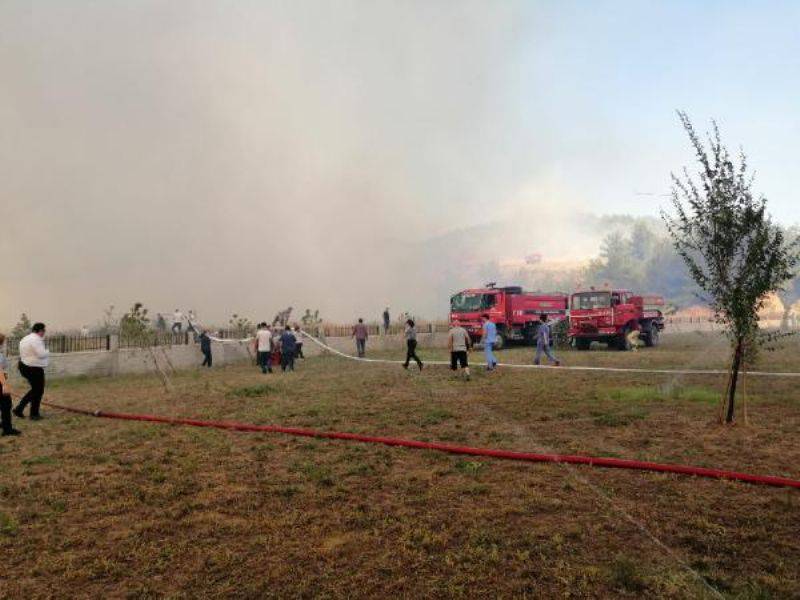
(119, 361)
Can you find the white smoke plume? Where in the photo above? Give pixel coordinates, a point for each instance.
(242, 157)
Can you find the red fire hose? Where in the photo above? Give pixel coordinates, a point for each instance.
(615, 463)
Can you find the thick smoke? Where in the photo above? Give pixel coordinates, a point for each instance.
(242, 157)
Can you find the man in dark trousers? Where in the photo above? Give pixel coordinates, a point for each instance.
(361, 335)
(288, 349)
(205, 348)
(263, 344)
(386, 320)
(33, 358)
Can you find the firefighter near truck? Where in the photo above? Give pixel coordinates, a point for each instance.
(515, 312)
(610, 316)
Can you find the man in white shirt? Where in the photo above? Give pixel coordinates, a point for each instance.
(264, 347)
(177, 321)
(458, 342)
(33, 358)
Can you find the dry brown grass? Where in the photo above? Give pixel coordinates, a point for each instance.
(100, 508)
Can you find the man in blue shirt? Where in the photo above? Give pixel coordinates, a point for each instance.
(543, 342)
(288, 349)
(489, 339)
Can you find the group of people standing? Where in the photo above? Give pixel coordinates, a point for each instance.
(287, 344)
(177, 321)
(33, 359)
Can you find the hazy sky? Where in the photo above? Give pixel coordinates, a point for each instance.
(243, 156)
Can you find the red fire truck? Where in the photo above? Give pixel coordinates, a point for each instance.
(610, 315)
(515, 312)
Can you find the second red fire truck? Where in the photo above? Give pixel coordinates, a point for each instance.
(611, 315)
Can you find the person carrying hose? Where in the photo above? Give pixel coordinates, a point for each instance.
(33, 359)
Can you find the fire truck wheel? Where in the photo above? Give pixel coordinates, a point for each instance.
(652, 338)
(582, 343)
(499, 342)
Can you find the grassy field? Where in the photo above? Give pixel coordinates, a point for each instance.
(115, 509)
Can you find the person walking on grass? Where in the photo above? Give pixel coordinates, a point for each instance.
(543, 335)
(5, 394)
(298, 335)
(489, 337)
(361, 335)
(386, 320)
(33, 358)
(288, 349)
(458, 343)
(205, 348)
(263, 345)
(411, 344)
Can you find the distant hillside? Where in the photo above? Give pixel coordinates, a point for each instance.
(500, 251)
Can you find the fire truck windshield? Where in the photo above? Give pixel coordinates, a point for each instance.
(465, 302)
(591, 300)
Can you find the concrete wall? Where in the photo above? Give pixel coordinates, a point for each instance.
(119, 361)
(377, 343)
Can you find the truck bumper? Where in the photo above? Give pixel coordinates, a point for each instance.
(595, 334)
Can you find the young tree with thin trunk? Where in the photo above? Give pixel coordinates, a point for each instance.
(733, 250)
